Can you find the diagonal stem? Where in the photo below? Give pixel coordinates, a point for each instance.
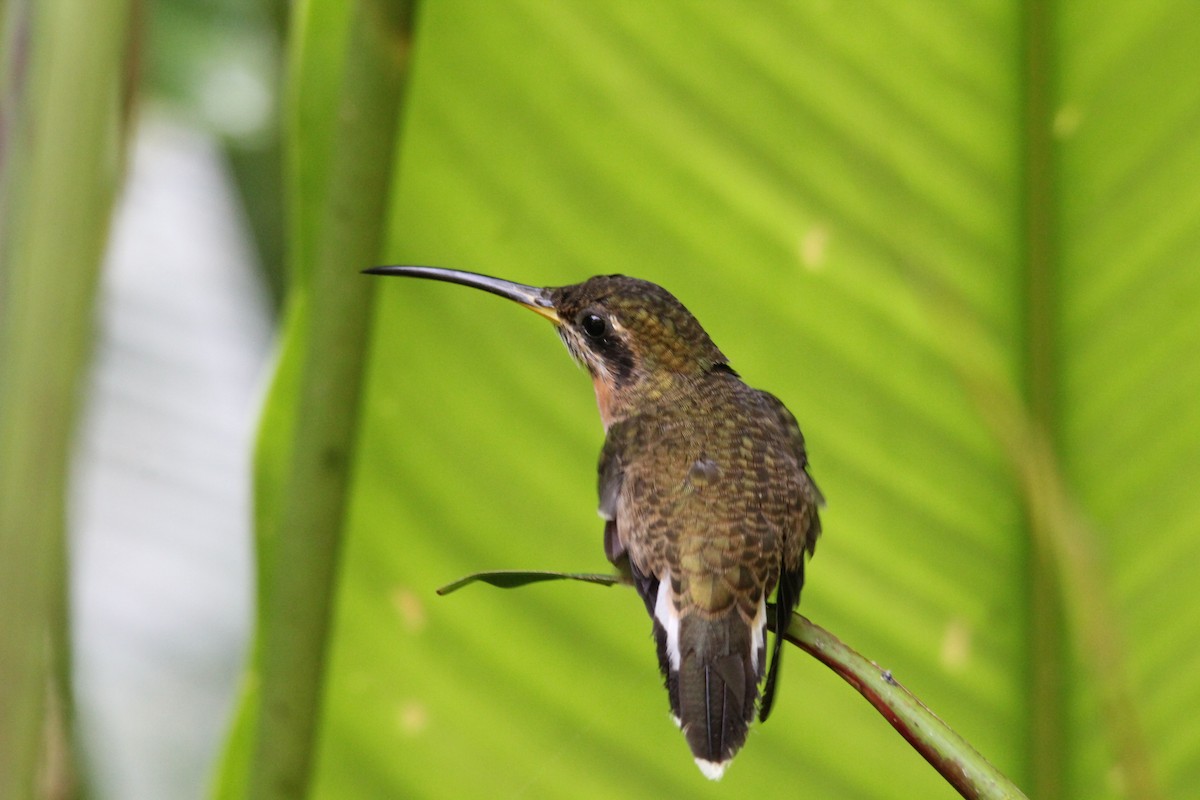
(972, 775)
(960, 764)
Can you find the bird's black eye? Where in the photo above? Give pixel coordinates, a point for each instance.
(593, 325)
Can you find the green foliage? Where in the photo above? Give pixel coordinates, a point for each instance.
(337, 196)
(911, 222)
(62, 104)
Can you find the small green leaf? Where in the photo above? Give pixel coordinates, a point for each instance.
(511, 579)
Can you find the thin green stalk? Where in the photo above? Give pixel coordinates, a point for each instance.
(301, 566)
(1070, 546)
(1046, 701)
(1069, 556)
(1066, 582)
(60, 180)
(1065, 543)
(972, 775)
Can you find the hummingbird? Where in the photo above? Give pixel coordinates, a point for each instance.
(704, 490)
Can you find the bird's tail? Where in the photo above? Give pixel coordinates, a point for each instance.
(716, 686)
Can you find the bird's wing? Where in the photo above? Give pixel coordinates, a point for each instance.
(801, 537)
(808, 496)
(611, 481)
(611, 476)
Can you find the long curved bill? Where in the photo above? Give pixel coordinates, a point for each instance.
(534, 298)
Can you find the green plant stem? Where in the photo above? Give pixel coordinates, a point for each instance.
(1065, 574)
(1071, 548)
(59, 182)
(1047, 635)
(959, 763)
(302, 565)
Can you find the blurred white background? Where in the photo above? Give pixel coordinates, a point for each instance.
(161, 518)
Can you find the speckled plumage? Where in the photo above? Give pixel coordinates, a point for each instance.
(704, 485)
(704, 489)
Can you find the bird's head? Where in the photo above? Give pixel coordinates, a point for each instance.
(636, 340)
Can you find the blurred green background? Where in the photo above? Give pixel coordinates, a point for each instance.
(959, 240)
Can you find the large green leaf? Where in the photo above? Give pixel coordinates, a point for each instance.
(912, 222)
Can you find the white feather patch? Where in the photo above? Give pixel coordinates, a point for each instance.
(668, 616)
(713, 770)
(758, 634)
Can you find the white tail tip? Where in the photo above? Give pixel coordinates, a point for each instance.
(713, 770)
